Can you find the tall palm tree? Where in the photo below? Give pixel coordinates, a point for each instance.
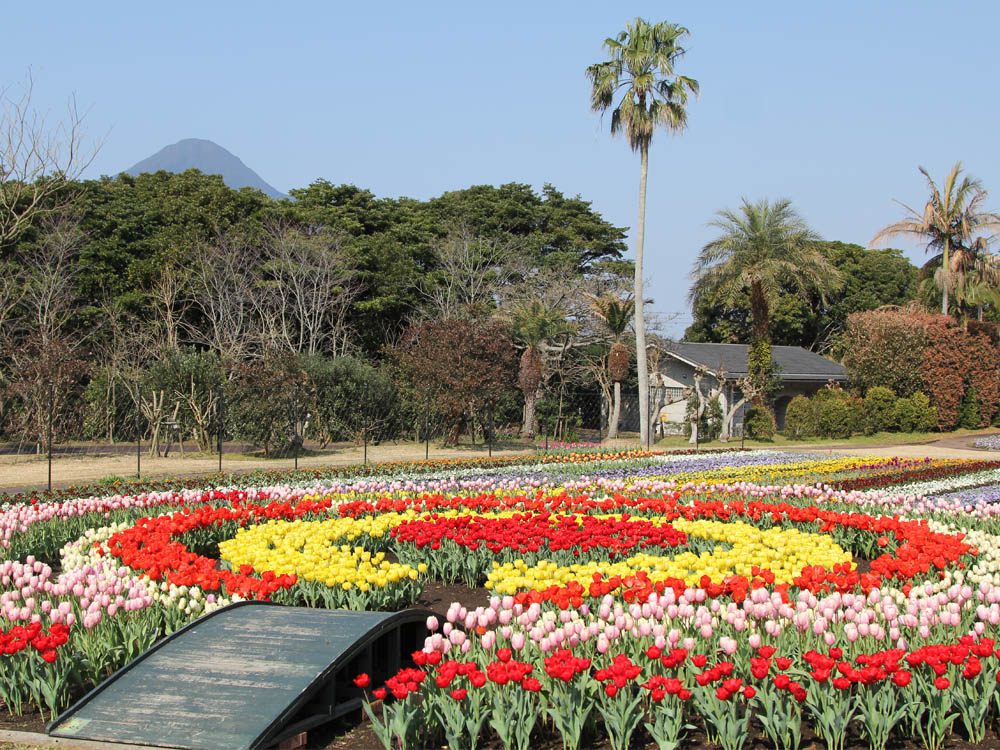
(951, 218)
(975, 275)
(615, 314)
(762, 247)
(638, 84)
(534, 322)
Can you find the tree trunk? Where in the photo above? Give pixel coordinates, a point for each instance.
(946, 270)
(654, 411)
(696, 421)
(616, 412)
(528, 426)
(759, 312)
(640, 303)
(728, 421)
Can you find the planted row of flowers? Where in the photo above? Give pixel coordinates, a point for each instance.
(664, 692)
(702, 567)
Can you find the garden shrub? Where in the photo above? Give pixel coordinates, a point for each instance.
(759, 423)
(909, 351)
(885, 348)
(926, 416)
(714, 418)
(968, 410)
(263, 400)
(879, 408)
(952, 362)
(904, 415)
(710, 423)
(857, 414)
(351, 396)
(800, 418)
(459, 365)
(836, 413)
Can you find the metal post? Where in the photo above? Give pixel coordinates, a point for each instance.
(427, 428)
(52, 399)
(111, 411)
(295, 423)
(546, 431)
(364, 416)
(649, 420)
(489, 438)
(138, 434)
(219, 413)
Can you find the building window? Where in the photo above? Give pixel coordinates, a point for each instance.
(674, 394)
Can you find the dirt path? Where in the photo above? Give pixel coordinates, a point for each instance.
(20, 472)
(949, 447)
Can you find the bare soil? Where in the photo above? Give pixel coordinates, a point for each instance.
(355, 733)
(30, 722)
(19, 472)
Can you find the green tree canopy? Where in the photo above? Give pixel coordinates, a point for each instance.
(761, 248)
(871, 279)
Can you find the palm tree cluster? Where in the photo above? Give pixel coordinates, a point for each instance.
(957, 230)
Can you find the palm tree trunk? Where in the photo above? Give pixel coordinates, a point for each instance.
(759, 312)
(616, 412)
(944, 267)
(528, 426)
(640, 303)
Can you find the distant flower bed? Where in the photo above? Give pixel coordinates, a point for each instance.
(643, 590)
(990, 442)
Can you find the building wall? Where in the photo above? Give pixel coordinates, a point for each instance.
(676, 374)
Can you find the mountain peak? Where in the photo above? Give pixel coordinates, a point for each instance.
(210, 158)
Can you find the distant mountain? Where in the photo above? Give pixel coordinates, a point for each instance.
(210, 158)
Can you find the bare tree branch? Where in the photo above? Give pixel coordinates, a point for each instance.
(472, 273)
(224, 288)
(37, 158)
(50, 279)
(309, 285)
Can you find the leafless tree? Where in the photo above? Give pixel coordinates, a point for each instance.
(223, 286)
(11, 293)
(123, 352)
(44, 379)
(703, 399)
(471, 275)
(308, 285)
(50, 278)
(169, 299)
(37, 158)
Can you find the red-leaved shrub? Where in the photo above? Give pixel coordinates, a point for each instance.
(908, 351)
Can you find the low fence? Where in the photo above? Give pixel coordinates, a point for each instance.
(139, 428)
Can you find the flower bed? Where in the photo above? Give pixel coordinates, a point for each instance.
(632, 594)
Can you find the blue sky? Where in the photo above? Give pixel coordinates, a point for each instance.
(830, 104)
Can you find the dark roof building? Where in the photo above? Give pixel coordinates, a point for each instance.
(801, 373)
(796, 363)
